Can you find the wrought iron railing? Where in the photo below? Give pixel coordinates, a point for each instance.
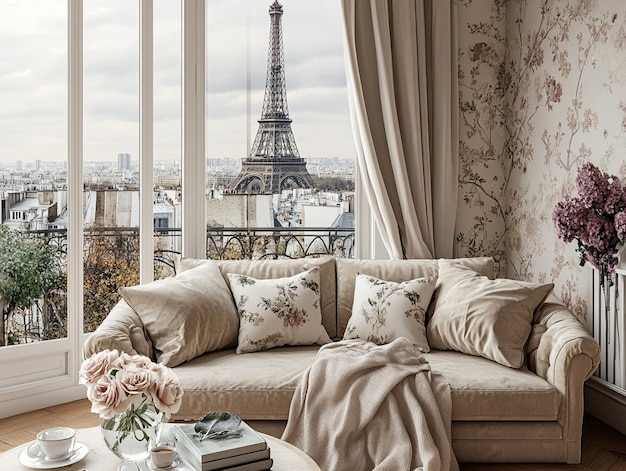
(111, 260)
(274, 243)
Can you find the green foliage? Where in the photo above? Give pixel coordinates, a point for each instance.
(110, 262)
(29, 267)
(29, 270)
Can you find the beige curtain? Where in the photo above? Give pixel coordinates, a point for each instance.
(402, 84)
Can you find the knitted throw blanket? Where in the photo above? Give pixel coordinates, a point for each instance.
(362, 406)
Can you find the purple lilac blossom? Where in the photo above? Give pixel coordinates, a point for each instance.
(569, 218)
(620, 225)
(596, 219)
(615, 201)
(592, 185)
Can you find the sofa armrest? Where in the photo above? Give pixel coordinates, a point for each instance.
(564, 353)
(121, 330)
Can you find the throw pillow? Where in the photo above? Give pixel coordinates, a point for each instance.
(186, 315)
(483, 317)
(276, 312)
(384, 310)
(268, 269)
(391, 270)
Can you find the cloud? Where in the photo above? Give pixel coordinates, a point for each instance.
(33, 75)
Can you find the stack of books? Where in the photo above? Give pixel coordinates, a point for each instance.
(249, 452)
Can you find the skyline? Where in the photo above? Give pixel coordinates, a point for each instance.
(315, 78)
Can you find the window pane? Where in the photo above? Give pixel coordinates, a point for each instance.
(33, 170)
(110, 154)
(167, 134)
(278, 192)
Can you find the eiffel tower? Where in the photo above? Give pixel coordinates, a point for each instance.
(274, 162)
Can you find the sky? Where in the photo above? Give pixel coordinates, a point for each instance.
(33, 75)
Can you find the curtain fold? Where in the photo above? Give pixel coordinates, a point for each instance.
(402, 86)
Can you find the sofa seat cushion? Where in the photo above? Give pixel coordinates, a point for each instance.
(484, 390)
(260, 385)
(255, 386)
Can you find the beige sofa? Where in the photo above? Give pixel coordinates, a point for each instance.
(500, 414)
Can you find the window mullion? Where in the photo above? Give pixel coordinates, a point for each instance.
(146, 141)
(75, 180)
(193, 140)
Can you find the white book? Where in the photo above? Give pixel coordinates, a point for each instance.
(262, 465)
(184, 453)
(215, 449)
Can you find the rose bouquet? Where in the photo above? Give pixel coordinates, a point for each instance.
(596, 219)
(131, 394)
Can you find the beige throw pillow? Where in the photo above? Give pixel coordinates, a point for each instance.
(186, 315)
(385, 310)
(483, 317)
(276, 312)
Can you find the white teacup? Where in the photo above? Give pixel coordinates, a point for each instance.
(52, 443)
(162, 456)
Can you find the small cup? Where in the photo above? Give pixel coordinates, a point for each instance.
(52, 443)
(162, 456)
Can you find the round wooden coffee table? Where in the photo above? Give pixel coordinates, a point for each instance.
(286, 456)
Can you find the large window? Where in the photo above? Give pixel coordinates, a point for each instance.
(113, 161)
(255, 73)
(111, 208)
(33, 170)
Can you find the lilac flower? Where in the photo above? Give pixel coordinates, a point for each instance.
(593, 186)
(615, 201)
(596, 219)
(569, 218)
(620, 225)
(599, 232)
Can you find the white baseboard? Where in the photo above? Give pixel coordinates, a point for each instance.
(607, 402)
(28, 403)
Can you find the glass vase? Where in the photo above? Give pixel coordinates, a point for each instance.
(131, 434)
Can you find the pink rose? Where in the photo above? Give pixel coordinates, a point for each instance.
(168, 393)
(126, 360)
(144, 362)
(117, 381)
(134, 380)
(107, 396)
(97, 365)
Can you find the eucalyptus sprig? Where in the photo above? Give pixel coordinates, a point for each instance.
(218, 426)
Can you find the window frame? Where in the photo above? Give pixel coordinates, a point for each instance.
(46, 373)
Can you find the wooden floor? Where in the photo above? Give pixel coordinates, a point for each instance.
(604, 449)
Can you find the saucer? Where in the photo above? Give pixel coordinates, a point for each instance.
(79, 451)
(151, 465)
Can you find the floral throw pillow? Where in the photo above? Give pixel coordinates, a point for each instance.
(276, 312)
(384, 310)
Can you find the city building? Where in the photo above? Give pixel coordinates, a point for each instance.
(123, 161)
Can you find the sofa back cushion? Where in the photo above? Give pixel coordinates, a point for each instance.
(271, 269)
(391, 270)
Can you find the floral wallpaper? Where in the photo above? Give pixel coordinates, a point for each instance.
(542, 91)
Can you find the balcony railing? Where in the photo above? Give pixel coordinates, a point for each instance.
(111, 260)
